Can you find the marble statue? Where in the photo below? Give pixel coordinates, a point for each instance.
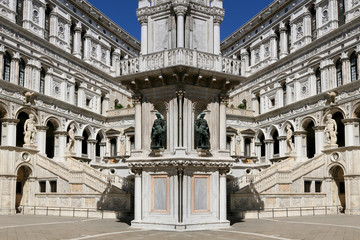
(29, 130)
(289, 141)
(202, 133)
(71, 134)
(330, 130)
(158, 133)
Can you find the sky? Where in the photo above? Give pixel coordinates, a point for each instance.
(123, 12)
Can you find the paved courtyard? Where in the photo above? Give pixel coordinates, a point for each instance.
(333, 227)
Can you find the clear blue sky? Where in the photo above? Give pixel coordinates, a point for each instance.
(123, 12)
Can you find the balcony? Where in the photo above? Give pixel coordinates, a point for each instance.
(180, 56)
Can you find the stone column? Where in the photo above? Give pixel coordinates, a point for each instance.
(14, 70)
(299, 135)
(41, 138)
(222, 193)
(138, 196)
(2, 53)
(217, 23)
(62, 138)
(269, 143)
(91, 149)
(116, 62)
(274, 47)
(8, 195)
(284, 51)
(282, 146)
(319, 139)
(222, 122)
(87, 46)
(137, 102)
(346, 75)
(258, 149)
(307, 27)
(144, 34)
(78, 146)
(244, 62)
(9, 127)
(180, 11)
(77, 40)
(349, 130)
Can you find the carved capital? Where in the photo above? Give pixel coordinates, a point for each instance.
(143, 20)
(218, 19)
(180, 93)
(180, 10)
(137, 99)
(224, 99)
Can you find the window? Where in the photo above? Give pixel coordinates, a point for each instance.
(318, 81)
(7, 66)
(307, 186)
(42, 81)
(341, 12)
(313, 22)
(272, 102)
(21, 73)
(19, 12)
(42, 185)
(339, 78)
(353, 67)
(247, 147)
(53, 186)
(318, 186)
(88, 102)
(47, 23)
(113, 147)
(72, 36)
(228, 142)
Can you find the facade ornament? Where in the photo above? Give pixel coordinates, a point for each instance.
(29, 130)
(71, 134)
(158, 133)
(143, 20)
(218, 19)
(289, 141)
(202, 133)
(29, 97)
(331, 98)
(330, 130)
(180, 10)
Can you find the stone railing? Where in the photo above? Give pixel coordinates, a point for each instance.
(308, 166)
(239, 112)
(121, 112)
(180, 56)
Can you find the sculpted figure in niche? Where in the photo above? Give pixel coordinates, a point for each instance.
(71, 134)
(330, 130)
(202, 133)
(29, 130)
(289, 142)
(158, 133)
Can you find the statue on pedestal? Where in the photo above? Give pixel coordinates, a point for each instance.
(29, 130)
(158, 133)
(289, 141)
(330, 130)
(202, 133)
(71, 134)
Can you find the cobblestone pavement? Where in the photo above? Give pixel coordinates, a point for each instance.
(331, 227)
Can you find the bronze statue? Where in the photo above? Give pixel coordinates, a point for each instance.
(158, 133)
(202, 133)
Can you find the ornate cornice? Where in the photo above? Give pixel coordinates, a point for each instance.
(180, 163)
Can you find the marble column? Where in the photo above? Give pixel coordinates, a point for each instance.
(62, 138)
(217, 23)
(91, 149)
(138, 196)
(41, 138)
(269, 143)
(274, 48)
(349, 131)
(137, 102)
(222, 122)
(307, 27)
(180, 11)
(319, 139)
(346, 75)
(77, 40)
(222, 193)
(14, 69)
(244, 62)
(282, 146)
(144, 34)
(9, 127)
(299, 146)
(78, 146)
(284, 51)
(87, 46)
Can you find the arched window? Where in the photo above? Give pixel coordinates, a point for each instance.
(339, 78)
(7, 67)
(318, 81)
(353, 67)
(47, 22)
(19, 12)
(42, 81)
(341, 12)
(21, 73)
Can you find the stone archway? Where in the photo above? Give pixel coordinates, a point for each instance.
(308, 126)
(22, 191)
(338, 187)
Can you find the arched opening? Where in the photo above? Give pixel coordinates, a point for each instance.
(338, 117)
(84, 143)
(50, 140)
(20, 129)
(7, 67)
(338, 187)
(339, 78)
(310, 139)
(262, 146)
(22, 187)
(276, 146)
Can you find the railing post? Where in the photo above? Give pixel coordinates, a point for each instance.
(195, 64)
(258, 214)
(141, 63)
